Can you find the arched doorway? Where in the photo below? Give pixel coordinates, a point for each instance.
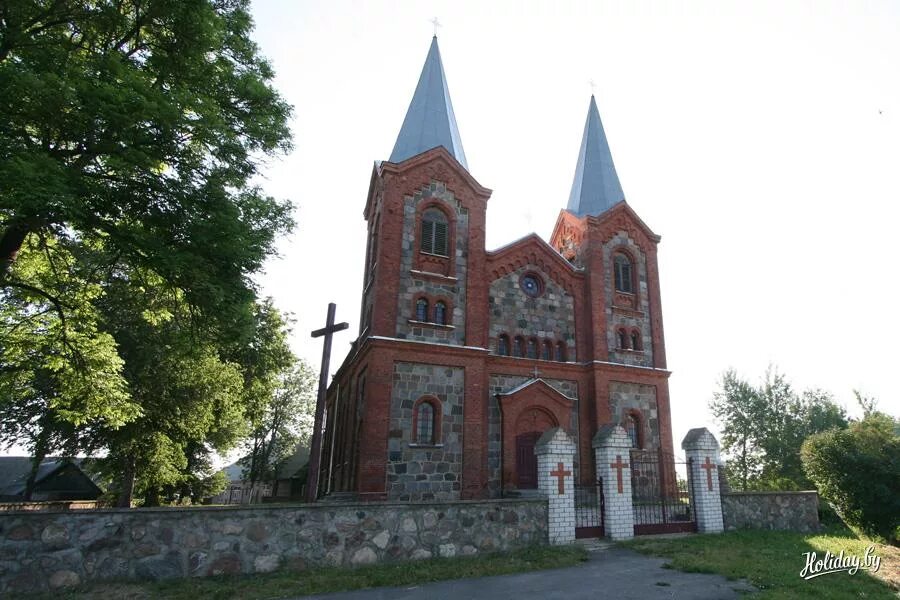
(530, 425)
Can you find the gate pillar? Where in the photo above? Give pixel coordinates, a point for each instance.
(702, 451)
(612, 450)
(555, 453)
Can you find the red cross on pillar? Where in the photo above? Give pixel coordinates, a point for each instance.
(709, 467)
(618, 466)
(560, 473)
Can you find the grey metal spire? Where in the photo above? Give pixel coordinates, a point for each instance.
(596, 187)
(430, 121)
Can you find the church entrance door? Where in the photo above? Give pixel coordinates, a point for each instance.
(526, 461)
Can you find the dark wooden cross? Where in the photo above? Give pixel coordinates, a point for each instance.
(315, 451)
(709, 467)
(618, 466)
(560, 473)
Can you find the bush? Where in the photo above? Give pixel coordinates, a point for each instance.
(857, 470)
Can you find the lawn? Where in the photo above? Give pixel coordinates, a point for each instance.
(772, 561)
(284, 584)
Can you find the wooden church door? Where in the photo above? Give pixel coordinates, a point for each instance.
(526, 461)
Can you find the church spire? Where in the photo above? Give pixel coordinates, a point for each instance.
(596, 187)
(429, 121)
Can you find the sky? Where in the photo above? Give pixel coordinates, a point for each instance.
(760, 139)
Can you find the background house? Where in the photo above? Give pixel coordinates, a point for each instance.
(57, 479)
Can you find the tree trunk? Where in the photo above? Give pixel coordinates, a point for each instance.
(10, 243)
(127, 493)
(32, 475)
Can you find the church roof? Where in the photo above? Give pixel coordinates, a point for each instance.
(596, 186)
(430, 121)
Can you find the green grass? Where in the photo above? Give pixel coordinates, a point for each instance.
(772, 561)
(283, 584)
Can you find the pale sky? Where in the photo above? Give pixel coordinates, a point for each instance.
(760, 139)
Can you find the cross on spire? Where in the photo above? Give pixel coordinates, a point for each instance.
(536, 372)
(593, 85)
(436, 24)
(709, 467)
(560, 473)
(618, 466)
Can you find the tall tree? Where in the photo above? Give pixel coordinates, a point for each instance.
(764, 427)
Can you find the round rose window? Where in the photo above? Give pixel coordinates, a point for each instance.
(531, 285)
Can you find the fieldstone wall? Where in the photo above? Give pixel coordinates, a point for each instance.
(551, 316)
(787, 511)
(40, 551)
(624, 397)
(451, 288)
(425, 471)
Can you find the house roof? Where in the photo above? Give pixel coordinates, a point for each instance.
(430, 121)
(14, 471)
(596, 187)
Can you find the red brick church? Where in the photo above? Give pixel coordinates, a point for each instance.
(466, 355)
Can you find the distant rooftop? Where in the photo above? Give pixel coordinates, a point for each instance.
(430, 121)
(596, 186)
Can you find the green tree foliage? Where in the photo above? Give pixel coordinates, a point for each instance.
(128, 231)
(858, 470)
(282, 403)
(764, 426)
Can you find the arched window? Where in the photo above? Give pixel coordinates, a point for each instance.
(425, 423)
(547, 350)
(532, 348)
(518, 346)
(633, 429)
(440, 313)
(434, 232)
(635, 340)
(503, 345)
(623, 339)
(623, 273)
(561, 351)
(422, 310)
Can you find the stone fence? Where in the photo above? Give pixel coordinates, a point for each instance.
(55, 550)
(790, 511)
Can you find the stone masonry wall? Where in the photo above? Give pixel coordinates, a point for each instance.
(54, 550)
(551, 316)
(632, 396)
(787, 511)
(425, 472)
(452, 289)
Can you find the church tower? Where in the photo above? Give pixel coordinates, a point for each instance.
(466, 356)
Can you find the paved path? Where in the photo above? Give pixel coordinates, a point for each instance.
(609, 573)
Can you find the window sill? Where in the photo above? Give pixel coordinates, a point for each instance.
(434, 276)
(416, 445)
(629, 351)
(432, 325)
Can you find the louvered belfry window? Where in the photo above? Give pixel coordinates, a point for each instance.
(434, 232)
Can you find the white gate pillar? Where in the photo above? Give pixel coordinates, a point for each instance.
(555, 453)
(702, 451)
(612, 450)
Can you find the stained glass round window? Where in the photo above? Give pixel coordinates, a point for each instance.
(531, 285)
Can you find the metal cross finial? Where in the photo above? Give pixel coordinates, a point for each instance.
(436, 24)
(593, 85)
(536, 372)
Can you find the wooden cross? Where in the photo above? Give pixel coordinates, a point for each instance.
(560, 473)
(315, 451)
(436, 24)
(618, 466)
(709, 467)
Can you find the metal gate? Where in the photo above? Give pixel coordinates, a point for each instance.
(660, 497)
(589, 511)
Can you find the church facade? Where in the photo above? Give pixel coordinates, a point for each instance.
(464, 355)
